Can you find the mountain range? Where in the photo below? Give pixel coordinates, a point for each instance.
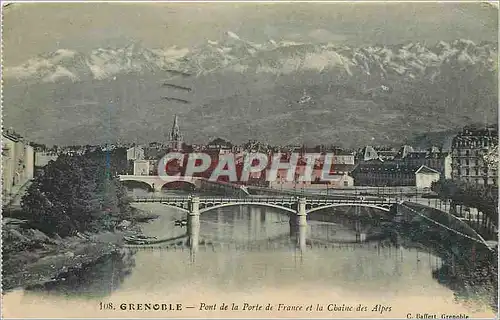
(279, 92)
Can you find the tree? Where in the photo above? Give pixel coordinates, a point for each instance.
(74, 194)
(484, 198)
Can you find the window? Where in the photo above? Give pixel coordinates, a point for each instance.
(346, 183)
(466, 162)
(467, 172)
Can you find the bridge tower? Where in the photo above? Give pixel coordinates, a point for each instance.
(193, 223)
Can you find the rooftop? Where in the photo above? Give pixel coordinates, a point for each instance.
(426, 169)
(389, 166)
(220, 142)
(477, 130)
(10, 136)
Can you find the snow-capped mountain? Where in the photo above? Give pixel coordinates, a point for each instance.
(375, 94)
(232, 53)
(99, 64)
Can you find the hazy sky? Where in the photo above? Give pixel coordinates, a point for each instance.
(31, 29)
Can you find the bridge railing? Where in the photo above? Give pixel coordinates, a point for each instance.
(264, 200)
(217, 199)
(381, 201)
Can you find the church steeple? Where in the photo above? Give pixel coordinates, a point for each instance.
(176, 132)
(175, 136)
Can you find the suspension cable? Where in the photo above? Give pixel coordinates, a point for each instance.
(481, 241)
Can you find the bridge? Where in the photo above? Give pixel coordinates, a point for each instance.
(288, 204)
(297, 208)
(157, 182)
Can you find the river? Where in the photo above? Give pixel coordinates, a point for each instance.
(251, 259)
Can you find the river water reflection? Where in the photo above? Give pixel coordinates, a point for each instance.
(332, 271)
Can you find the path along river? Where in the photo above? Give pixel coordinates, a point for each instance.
(370, 274)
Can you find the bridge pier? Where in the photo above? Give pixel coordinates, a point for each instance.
(293, 226)
(301, 224)
(360, 235)
(156, 187)
(193, 223)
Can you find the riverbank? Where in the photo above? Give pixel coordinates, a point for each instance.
(468, 268)
(31, 257)
(163, 226)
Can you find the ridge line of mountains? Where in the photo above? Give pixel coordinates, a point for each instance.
(277, 92)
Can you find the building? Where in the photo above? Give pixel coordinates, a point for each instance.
(29, 162)
(341, 168)
(470, 150)
(42, 158)
(219, 146)
(367, 153)
(343, 157)
(400, 168)
(342, 163)
(432, 158)
(175, 139)
(425, 176)
(154, 153)
(18, 161)
(386, 153)
(8, 163)
(335, 180)
(135, 153)
(142, 168)
(377, 173)
(404, 151)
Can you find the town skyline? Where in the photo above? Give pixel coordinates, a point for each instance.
(330, 145)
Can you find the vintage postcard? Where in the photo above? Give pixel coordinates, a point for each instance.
(250, 160)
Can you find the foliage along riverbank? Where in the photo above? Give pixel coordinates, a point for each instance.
(482, 197)
(468, 268)
(74, 213)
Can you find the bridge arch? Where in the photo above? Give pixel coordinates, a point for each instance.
(183, 183)
(269, 205)
(366, 205)
(176, 207)
(137, 182)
